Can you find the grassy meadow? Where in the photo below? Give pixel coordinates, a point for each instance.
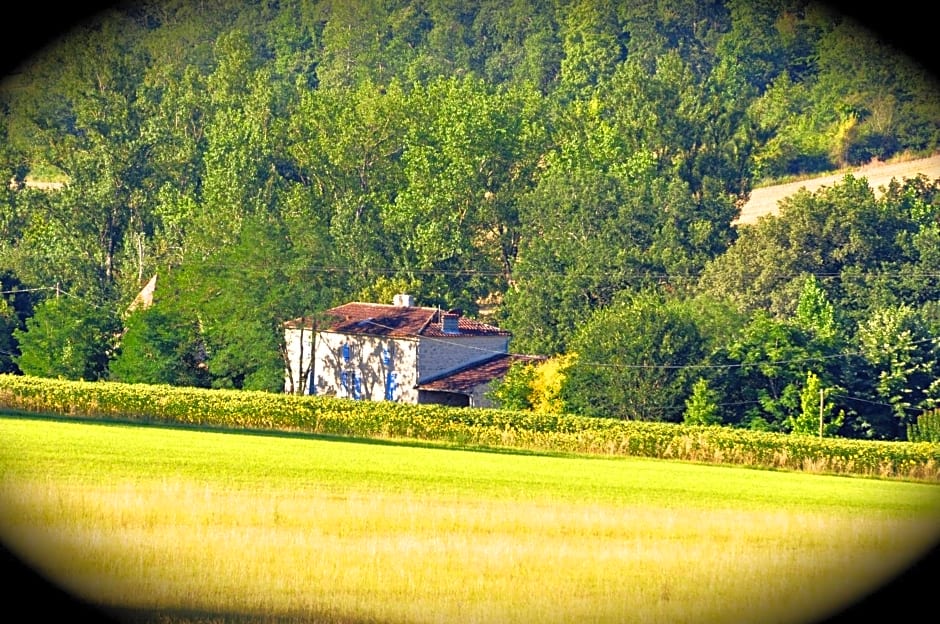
(169, 525)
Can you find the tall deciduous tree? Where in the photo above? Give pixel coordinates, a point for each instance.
(347, 147)
(585, 237)
(16, 305)
(816, 410)
(770, 357)
(690, 27)
(517, 43)
(767, 360)
(755, 42)
(592, 39)
(159, 347)
(353, 41)
(239, 177)
(90, 132)
(241, 296)
(8, 324)
(470, 155)
(904, 359)
(67, 338)
(635, 359)
(447, 48)
(701, 407)
(835, 230)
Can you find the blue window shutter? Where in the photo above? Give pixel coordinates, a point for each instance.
(357, 385)
(346, 352)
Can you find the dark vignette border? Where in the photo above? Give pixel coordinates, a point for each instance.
(31, 26)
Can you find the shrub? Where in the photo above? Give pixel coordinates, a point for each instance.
(927, 427)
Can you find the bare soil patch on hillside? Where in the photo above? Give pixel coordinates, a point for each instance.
(765, 200)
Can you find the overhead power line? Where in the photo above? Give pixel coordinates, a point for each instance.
(57, 289)
(664, 366)
(518, 273)
(18, 291)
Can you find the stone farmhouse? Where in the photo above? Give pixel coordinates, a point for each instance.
(399, 352)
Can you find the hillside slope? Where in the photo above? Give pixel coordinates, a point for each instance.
(765, 200)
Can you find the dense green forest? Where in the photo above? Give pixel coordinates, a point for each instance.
(572, 168)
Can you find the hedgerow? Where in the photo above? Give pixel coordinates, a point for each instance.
(565, 433)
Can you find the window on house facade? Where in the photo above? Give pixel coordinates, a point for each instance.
(391, 385)
(351, 383)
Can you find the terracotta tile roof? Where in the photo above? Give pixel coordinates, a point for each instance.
(305, 322)
(378, 319)
(467, 378)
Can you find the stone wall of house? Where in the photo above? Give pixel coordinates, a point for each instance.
(379, 368)
(441, 355)
(365, 367)
(299, 345)
(478, 397)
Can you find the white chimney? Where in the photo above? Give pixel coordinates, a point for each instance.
(403, 301)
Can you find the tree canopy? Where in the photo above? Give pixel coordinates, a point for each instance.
(574, 165)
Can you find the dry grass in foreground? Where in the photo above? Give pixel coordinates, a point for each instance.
(405, 558)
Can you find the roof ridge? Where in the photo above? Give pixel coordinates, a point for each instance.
(428, 321)
(384, 305)
(403, 321)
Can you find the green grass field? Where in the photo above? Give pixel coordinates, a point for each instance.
(175, 525)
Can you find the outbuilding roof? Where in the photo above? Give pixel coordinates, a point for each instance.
(465, 379)
(376, 319)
